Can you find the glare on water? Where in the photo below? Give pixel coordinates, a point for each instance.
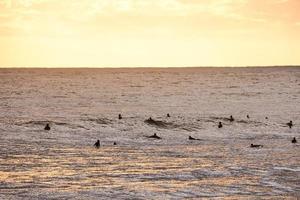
(83, 105)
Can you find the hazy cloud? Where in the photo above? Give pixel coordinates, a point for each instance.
(74, 32)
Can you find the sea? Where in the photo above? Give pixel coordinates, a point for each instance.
(82, 106)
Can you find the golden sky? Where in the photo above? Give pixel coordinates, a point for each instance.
(150, 33)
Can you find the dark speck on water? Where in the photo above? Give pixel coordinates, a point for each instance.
(97, 144)
(220, 125)
(290, 124)
(47, 127)
(256, 145)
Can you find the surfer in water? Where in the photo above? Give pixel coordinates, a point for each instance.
(97, 144)
(290, 124)
(256, 145)
(294, 140)
(47, 127)
(168, 115)
(231, 118)
(154, 136)
(150, 119)
(120, 116)
(192, 138)
(220, 125)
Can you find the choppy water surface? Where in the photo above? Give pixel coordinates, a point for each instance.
(82, 105)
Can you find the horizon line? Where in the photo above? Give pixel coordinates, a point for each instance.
(239, 66)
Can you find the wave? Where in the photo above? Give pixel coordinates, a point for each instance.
(44, 122)
(171, 125)
(201, 174)
(99, 120)
(160, 124)
(220, 118)
(214, 119)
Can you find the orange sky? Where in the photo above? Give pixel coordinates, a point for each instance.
(150, 33)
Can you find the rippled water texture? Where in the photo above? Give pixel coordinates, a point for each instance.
(82, 105)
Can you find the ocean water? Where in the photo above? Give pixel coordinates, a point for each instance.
(82, 105)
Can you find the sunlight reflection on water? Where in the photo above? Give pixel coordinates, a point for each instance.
(144, 169)
(82, 106)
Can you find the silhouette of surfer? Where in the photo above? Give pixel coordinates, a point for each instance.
(290, 124)
(115, 143)
(192, 138)
(248, 117)
(97, 144)
(47, 127)
(168, 115)
(294, 140)
(220, 125)
(158, 123)
(256, 145)
(120, 116)
(154, 136)
(231, 118)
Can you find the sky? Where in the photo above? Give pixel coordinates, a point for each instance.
(149, 33)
